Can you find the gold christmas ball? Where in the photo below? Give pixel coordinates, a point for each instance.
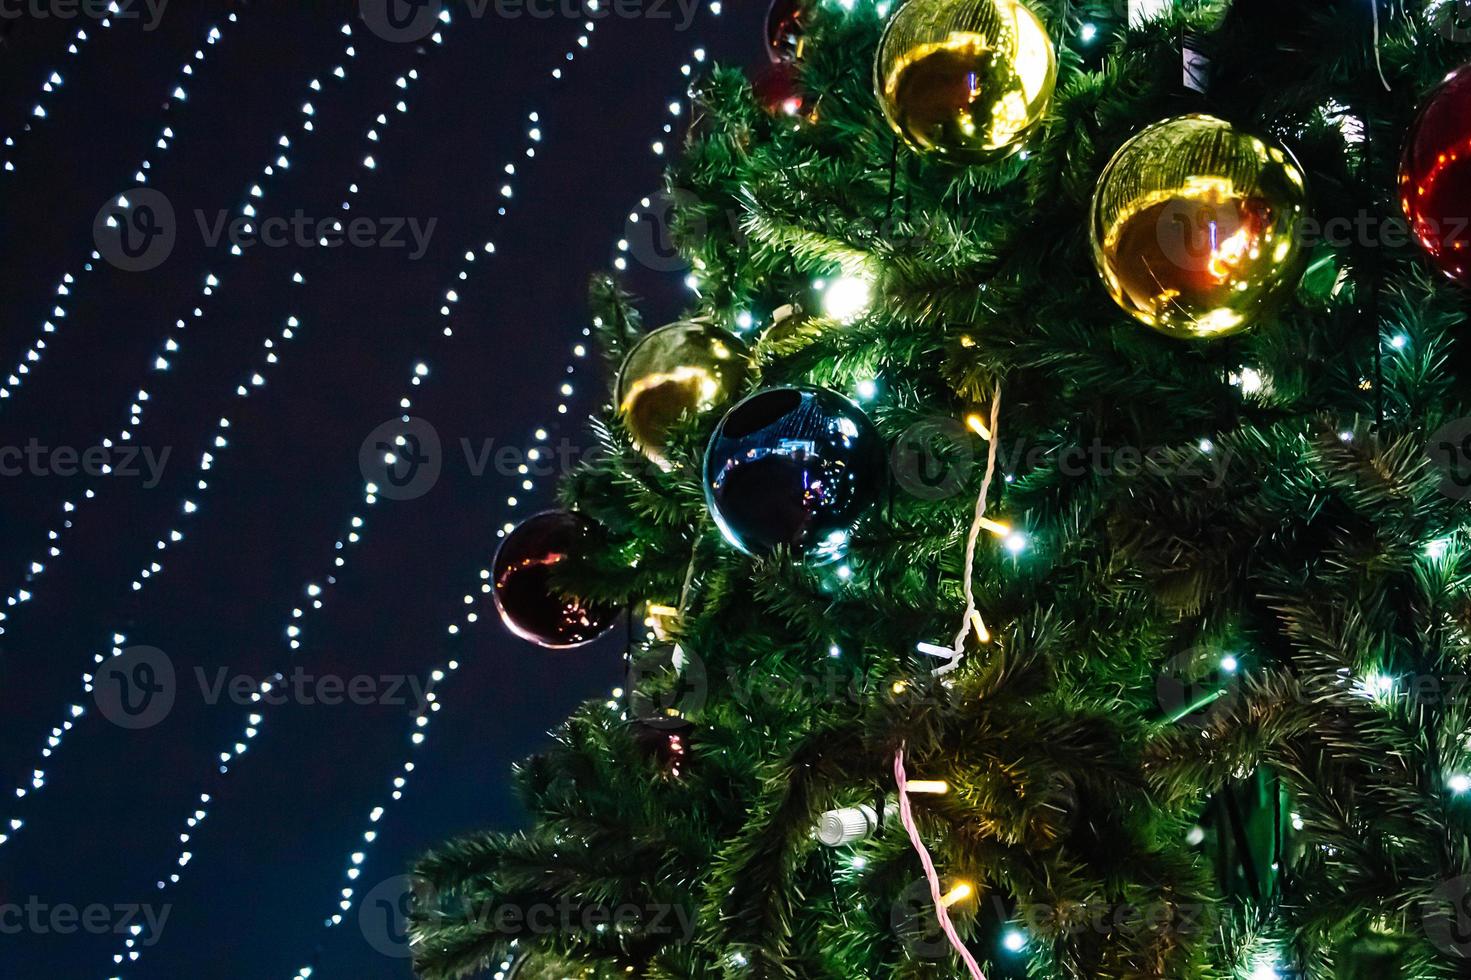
(1196, 227)
(966, 80)
(680, 370)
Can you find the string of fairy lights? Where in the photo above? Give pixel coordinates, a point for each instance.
(313, 590)
(848, 825)
(49, 86)
(422, 718)
(469, 616)
(66, 287)
(1013, 940)
(844, 298)
(253, 381)
(174, 536)
(166, 352)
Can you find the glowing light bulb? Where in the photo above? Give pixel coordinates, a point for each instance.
(937, 787)
(959, 893)
(847, 298)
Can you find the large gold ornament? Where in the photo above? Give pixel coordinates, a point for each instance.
(1196, 227)
(966, 80)
(683, 369)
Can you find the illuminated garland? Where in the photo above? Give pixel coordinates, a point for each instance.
(52, 82)
(188, 506)
(419, 373)
(164, 358)
(64, 289)
(421, 719)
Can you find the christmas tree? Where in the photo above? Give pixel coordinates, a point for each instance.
(1043, 541)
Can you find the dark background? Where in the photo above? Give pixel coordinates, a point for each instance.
(268, 861)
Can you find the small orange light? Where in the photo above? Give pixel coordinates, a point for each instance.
(974, 422)
(959, 893)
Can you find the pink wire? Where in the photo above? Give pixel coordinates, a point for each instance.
(906, 817)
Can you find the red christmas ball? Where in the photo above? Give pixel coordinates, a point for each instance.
(785, 27)
(778, 89)
(1435, 176)
(522, 585)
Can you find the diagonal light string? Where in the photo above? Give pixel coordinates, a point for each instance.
(66, 287)
(438, 676)
(49, 86)
(261, 700)
(251, 382)
(167, 351)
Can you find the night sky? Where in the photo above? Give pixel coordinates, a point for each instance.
(268, 862)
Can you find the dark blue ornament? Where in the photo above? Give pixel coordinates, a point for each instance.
(793, 466)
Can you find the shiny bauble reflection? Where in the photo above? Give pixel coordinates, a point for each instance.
(677, 372)
(1196, 227)
(522, 579)
(1435, 176)
(965, 80)
(796, 467)
(786, 30)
